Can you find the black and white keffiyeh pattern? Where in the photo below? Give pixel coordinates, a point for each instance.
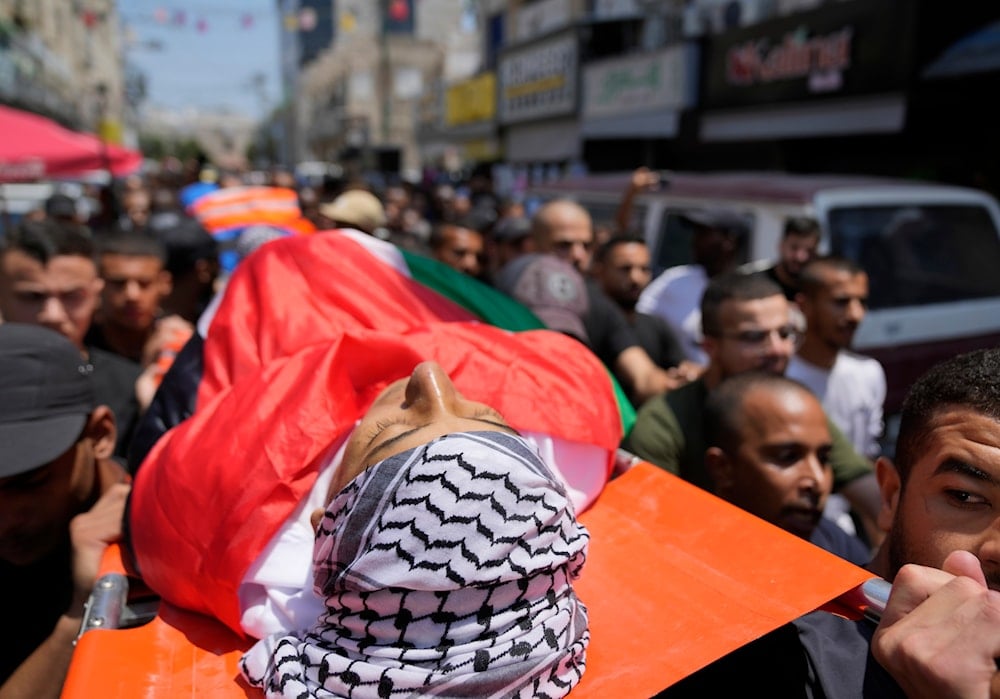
(446, 571)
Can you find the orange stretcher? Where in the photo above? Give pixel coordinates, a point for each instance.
(675, 578)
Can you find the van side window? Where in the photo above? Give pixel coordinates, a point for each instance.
(920, 254)
(673, 243)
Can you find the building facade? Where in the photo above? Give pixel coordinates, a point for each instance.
(798, 85)
(362, 96)
(64, 60)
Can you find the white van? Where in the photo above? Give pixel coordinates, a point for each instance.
(932, 252)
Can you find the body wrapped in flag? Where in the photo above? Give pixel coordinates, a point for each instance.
(309, 332)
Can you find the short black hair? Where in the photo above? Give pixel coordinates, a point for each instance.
(970, 380)
(186, 242)
(723, 415)
(43, 240)
(132, 244)
(732, 286)
(605, 248)
(810, 279)
(801, 226)
(437, 237)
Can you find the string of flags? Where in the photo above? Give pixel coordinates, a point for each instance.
(398, 16)
(181, 18)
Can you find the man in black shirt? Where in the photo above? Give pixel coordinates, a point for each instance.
(564, 228)
(623, 268)
(799, 241)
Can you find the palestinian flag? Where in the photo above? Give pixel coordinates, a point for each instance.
(371, 283)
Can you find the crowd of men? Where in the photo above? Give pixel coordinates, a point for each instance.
(743, 379)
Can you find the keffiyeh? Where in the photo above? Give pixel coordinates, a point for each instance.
(446, 570)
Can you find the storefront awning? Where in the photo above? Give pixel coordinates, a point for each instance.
(881, 114)
(978, 52)
(550, 141)
(662, 123)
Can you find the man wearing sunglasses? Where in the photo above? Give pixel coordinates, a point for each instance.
(747, 326)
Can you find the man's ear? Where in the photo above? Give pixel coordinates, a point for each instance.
(204, 271)
(804, 303)
(316, 517)
(720, 470)
(890, 487)
(165, 280)
(101, 430)
(710, 345)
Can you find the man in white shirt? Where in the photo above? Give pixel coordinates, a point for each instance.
(675, 295)
(833, 299)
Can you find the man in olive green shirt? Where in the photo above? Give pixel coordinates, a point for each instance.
(747, 326)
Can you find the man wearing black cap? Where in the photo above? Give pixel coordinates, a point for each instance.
(61, 503)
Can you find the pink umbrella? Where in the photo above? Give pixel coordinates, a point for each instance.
(33, 147)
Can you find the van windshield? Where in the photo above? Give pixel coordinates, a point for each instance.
(920, 254)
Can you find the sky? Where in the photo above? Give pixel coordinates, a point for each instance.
(205, 53)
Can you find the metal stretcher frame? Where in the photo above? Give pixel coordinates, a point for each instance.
(675, 578)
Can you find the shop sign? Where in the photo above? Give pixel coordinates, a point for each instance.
(471, 101)
(635, 84)
(818, 59)
(539, 81)
(839, 49)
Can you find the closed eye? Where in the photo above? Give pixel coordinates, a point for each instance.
(483, 414)
(380, 427)
(31, 296)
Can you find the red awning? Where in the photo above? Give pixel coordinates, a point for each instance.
(33, 147)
